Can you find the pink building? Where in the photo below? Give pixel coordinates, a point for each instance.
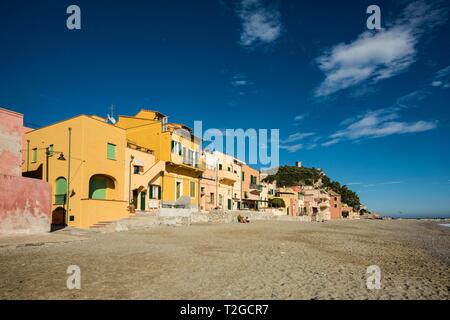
(208, 190)
(24, 203)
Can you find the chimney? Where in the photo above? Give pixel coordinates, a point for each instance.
(298, 164)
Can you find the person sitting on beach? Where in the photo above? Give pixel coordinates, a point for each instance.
(242, 220)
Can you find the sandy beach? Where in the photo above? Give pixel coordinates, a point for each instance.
(259, 260)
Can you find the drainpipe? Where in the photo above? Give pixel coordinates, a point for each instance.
(129, 180)
(198, 193)
(217, 184)
(68, 176)
(28, 155)
(47, 154)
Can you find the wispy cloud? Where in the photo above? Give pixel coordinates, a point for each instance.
(298, 136)
(353, 183)
(375, 56)
(240, 80)
(300, 117)
(377, 124)
(292, 148)
(260, 24)
(411, 99)
(442, 78)
(370, 185)
(287, 143)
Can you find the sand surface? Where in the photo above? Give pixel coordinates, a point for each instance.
(260, 260)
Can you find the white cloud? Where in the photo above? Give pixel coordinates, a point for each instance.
(298, 136)
(375, 56)
(412, 98)
(330, 142)
(377, 124)
(292, 148)
(300, 117)
(260, 24)
(442, 78)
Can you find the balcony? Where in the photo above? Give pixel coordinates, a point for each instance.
(256, 188)
(227, 177)
(186, 163)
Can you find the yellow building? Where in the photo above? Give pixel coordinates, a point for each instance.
(176, 146)
(93, 151)
(144, 176)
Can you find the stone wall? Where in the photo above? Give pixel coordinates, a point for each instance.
(220, 216)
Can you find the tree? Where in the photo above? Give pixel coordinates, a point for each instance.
(289, 176)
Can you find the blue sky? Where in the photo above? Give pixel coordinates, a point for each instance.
(368, 107)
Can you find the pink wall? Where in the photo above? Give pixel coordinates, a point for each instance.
(11, 124)
(25, 203)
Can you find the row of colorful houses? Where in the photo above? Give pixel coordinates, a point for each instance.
(101, 171)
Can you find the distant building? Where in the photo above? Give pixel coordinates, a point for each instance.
(335, 205)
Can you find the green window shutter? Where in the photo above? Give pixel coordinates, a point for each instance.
(34, 155)
(111, 151)
(159, 192)
(151, 192)
(60, 191)
(192, 189)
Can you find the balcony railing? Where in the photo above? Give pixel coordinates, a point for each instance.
(227, 176)
(257, 187)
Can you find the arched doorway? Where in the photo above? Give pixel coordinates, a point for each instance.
(59, 213)
(101, 187)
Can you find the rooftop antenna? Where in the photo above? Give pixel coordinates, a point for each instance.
(111, 116)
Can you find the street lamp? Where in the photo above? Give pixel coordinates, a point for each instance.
(48, 154)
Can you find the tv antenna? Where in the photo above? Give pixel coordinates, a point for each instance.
(111, 116)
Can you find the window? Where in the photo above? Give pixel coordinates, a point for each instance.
(220, 166)
(335, 198)
(50, 150)
(335, 205)
(178, 191)
(192, 189)
(191, 157)
(252, 179)
(176, 147)
(220, 200)
(34, 155)
(229, 169)
(211, 197)
(111, 151)
(243, 176)
(155, 192)
(60, 191)
(137, 169)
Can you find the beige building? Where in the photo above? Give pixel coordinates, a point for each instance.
(227, 180)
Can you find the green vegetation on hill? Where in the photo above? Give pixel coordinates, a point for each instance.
(290, 176)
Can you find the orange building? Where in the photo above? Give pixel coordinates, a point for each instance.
(335, 205)
(251, 188)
